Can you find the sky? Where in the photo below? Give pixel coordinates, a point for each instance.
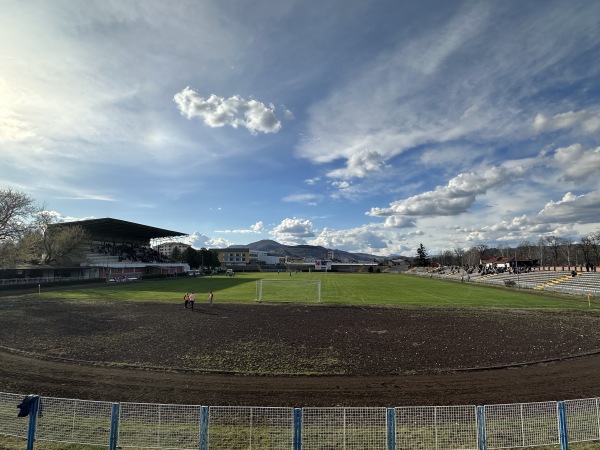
(366, 126)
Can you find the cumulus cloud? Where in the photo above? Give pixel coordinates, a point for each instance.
(369, 238)
(576, 162)
(586, 121)
(573, 209)
(359, 165)
(399, 222)
(293, 231)
(234, 111)
(454, 198)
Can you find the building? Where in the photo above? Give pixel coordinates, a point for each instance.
(166, 248)
(232, 256)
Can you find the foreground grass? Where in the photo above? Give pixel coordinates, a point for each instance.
(337, 289)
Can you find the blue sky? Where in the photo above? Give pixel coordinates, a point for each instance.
(369, 126)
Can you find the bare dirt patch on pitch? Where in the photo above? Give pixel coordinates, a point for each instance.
(282, 354)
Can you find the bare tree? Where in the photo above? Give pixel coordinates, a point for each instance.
(460, 254)
(526, 250)
(586, 246)
(595, 239)
(472, 257)
(554, 243)
(542, 250)
(59, 242)
(568, 250)
(16, 211)
(482, 249)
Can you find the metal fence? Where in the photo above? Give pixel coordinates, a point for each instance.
(143, 425)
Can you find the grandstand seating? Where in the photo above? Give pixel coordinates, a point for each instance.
(583, 283)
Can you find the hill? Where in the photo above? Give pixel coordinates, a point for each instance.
(308, 251)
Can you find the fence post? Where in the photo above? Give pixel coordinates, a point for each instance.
(204, 413)
(562, 426)
(391, 429)
(481, 441)
(33, 412)
(297, 429)
(114, 425)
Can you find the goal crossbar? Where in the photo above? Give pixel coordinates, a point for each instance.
(288, 290)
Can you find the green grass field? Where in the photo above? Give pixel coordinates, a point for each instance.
(336, 289)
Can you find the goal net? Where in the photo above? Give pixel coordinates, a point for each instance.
(272, 290)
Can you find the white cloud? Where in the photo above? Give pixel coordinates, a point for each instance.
(292, 231)
(341, 184)
(359, 165)
(258, 227)
(572, 209)
(454, 198)
(399, 222)
(577, 163)
(586, 121)
(234, 111)
(369, 238)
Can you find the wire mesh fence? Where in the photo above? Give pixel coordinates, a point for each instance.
(68, 420)
(344, 428)
(521, 425)
(436, 427)
(148, 425)
(165, 426)
(236, 427)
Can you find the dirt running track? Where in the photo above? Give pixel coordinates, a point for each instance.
(320, 355)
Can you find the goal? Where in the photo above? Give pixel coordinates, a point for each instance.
(272, 290)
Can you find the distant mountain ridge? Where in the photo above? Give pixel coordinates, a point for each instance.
(307, 251)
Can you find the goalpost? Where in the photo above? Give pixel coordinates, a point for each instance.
(272, 290)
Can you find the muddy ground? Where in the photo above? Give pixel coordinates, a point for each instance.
(291, 355)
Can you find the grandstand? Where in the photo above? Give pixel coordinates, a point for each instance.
(116, 251)
(576, 282)
(119, 250)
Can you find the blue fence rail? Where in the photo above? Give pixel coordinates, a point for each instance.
(144, 425)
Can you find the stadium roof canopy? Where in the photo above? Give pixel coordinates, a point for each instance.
(120, 228)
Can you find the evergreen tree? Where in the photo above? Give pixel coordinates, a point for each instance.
(422, 259)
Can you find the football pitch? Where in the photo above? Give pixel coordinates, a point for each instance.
(336, 289)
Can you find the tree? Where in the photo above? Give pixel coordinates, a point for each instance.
(192, 257)
(176, 254)
(482, 249)
(568, 250)
(554, 243)
(58, 242)
(16, 211)
(422, 259)
(472, 257)
(459, 253)
(526, 250)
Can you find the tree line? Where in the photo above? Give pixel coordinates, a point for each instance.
(548, 251)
